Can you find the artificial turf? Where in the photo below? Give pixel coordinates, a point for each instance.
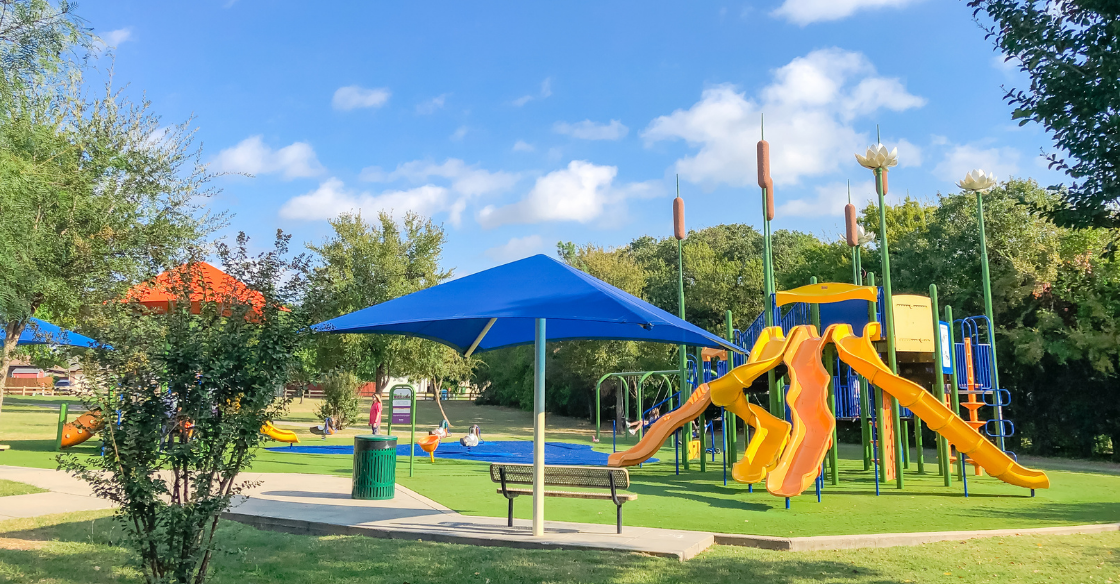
(691, 500)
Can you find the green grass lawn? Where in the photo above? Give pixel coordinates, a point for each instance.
(9, 488)
(1081, 492)
(79, 548)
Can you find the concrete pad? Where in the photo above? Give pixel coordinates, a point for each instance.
(321, 505)
(881, 540)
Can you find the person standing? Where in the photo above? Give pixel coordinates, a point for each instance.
(375, 414)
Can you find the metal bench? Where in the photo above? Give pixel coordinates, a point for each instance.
(591, 477)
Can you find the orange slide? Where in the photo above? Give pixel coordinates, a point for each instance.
(664, 427)
(813, 421)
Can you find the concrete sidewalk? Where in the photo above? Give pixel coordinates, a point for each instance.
(67, 494)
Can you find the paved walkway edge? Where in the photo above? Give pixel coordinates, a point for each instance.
(301, 527)
(881, 540)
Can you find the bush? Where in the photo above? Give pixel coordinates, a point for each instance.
(340, 398)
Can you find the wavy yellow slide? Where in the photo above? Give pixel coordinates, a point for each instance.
(813, 421)
(860, 354)
(770, 433)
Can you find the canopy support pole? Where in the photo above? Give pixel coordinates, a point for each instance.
(478, 340)
(538, 429)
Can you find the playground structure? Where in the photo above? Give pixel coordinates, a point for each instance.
(831, 375)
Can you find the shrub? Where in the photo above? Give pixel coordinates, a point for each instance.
(341, 398)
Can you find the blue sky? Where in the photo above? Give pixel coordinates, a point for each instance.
(517, 125)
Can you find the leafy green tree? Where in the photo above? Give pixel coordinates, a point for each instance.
(95, 194)
(190, 390)
(1071, 51)
(366, 263)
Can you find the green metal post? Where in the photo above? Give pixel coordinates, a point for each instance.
(700, 419)
(730, 421)
(987, 279)
(598, 390)
(905, 434)
(412, 431)
(954, 394)
(61, 422)
(683, 360)
(888, 312)
(939, 386)
(539, 355)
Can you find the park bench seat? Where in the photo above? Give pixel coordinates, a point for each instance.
(591, 477)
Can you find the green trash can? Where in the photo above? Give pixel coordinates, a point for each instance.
(375, 467)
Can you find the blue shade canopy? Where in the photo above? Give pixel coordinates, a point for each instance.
(41, 332)
(575, 304)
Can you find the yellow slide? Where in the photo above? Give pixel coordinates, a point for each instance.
(279, 435)
(660, 431)
(860, 354)
(813, 421)
(770, 432)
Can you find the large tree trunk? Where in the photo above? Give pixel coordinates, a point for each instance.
(381, 378)
(12, 331)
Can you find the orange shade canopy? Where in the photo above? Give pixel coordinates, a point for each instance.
(205, 283)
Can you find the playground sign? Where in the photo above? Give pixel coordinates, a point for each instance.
(402, 405)
(946, 348)
(403, 398)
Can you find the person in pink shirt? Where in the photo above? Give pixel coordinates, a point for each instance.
(375, 414)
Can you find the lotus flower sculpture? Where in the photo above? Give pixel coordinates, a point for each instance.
(976, 181)
(878, 157)
(863, 236)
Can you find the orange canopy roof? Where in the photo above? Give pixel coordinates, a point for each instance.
(207, 284)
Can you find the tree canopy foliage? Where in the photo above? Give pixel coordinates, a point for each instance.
(1071, 51)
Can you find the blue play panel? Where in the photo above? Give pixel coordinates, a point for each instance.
(513, 451)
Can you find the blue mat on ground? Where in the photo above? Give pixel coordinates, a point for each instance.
(513, 451)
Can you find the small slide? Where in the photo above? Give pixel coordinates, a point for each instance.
(664, 427)
(82, 429)
(279, 435)
(860, 354)
(813, 421)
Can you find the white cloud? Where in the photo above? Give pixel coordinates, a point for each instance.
(354, 97)
(429, 106)
(909, 154)
(810, 106)
(809, 11)
(960, 159)
(522, 146)
(253, 156)
(114, 38)
(1009, 67)
(545, 91)
(466, 182)
(830, 200)
(332, 198)
(458, 134)
(579, 192)
(589, 130)
(516, 248)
